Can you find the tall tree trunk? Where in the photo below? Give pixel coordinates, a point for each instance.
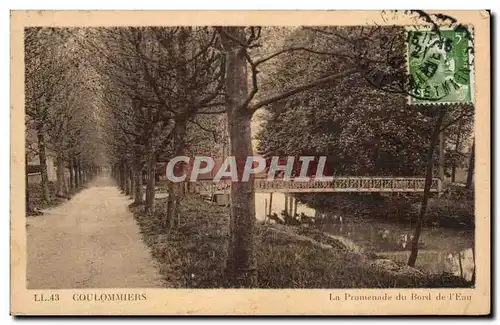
(77, 176)
(43, 164)
(65, 180)
(71, 177)
(457, 150)
(441, 156)
(470, 170)
(60, 176)
(117, 174)
(295, 204)
(427, 187)
(241, 264)
(473, 278)
(131, 182)
(286, 206)
(126, 179)
(28, 205)
(80, 173)
(150, 187)
(122, 177)
(138, 195)
(270, 203)
(176, 190)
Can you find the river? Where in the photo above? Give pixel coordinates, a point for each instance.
(441, 249)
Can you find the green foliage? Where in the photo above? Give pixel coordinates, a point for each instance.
(364, 127)
(192, 255)
(36, 198)
(156, 78)
(458, 137)
(455, 209)
(363, 130)
(285, 262)
(61, 96)
(451, 213)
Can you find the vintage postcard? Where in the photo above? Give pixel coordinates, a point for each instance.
(250, 162)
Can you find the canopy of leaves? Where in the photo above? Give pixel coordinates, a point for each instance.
(362, 129)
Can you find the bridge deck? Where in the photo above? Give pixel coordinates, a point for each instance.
(338, 184)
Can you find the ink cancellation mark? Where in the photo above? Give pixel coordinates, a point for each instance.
(439, 67)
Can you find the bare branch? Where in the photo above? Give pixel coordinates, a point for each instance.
(255, 87)
(302, 88)
(293, 49)
(466, 113)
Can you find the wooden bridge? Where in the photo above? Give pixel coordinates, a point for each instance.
(338, 184)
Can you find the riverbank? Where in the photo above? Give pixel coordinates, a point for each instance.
(194, 255)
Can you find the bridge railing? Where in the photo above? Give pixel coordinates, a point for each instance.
(338, 184)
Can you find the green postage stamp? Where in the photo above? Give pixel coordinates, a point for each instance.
(439, 67)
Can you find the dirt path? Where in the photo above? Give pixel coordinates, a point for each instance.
(91, 241)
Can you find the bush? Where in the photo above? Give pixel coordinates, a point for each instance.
(444, 212)
(36, 198)
(33, 169)
(192, 255)
(36, 201)
(284, 261)
(454, 209)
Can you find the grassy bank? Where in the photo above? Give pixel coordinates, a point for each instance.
(194, 255)
(37, 202)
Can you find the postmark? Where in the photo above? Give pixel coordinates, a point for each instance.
(439, 66)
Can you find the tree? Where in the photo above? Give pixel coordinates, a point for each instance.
(197, 73)
(70, 127)
(428, 181)
(470, 170)
(59, 107)
(236, 43)
(379, 62)
(458, 134)
(44, 73)
(170, 75)
(135, 121)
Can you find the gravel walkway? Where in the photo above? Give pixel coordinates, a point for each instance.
(91, 241)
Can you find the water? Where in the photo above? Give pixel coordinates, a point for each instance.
(440, 249)
(278, 205)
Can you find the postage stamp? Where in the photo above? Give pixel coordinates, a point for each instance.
(170, 163)
(440, 66)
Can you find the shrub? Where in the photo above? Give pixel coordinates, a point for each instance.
(454, 209)
(444, 212)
